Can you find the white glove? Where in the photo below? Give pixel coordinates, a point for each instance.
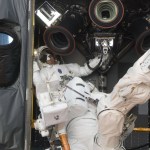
(95, 62)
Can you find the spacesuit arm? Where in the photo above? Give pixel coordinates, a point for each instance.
(78, 70)
(85, 70)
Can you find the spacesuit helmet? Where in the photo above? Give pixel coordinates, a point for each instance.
(46, 56)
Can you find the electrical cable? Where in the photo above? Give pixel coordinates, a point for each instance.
(98, 65)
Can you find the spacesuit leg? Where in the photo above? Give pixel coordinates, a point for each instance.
(82, 123)
(132, 89)
(81, 131)
(110, 128)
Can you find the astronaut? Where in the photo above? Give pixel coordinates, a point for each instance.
(50, 78)
(107, 129)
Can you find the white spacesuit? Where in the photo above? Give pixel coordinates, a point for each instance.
(132, 89)
(88, 128)
(50, 81)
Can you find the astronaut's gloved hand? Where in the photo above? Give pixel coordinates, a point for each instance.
(94, 63)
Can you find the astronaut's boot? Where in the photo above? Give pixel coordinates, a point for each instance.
(110, 129)
(61, 129)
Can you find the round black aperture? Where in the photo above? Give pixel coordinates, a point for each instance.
(143, 42)
(146, 43)
(106, 13)
(9, 52)
(59, 40)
